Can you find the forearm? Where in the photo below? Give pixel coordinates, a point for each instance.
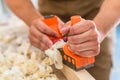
(108, 16)
(24, 9)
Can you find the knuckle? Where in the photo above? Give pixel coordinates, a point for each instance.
(96, 52)
(93, 34)
(72, 38)
(73, 50)
(96, 49)
(83, 54)
(43, 46)
(44, 29)
(40, 36)
(91, 23)
(45, 41)
(52, 33)
(35, 21)
(96, 43)
(77, 47)
(40, 46)
(71, 47)
(32, 30)
(34, 24)
(73, 30)
(90, 53)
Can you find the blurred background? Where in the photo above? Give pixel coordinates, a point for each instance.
(6, 14)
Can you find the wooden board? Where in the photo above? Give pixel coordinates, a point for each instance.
(73, 75)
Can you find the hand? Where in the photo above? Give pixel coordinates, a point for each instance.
(38, 35)
(84, 39)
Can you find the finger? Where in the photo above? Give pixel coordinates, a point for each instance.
(81, 27)
(42, 27)
(43, 46)
(40, 36)
(35, 42)
(65, 29)
(45, 40)
(82, 50)
(89, 53)
(86, 36)
(34, 32)
(90, 45)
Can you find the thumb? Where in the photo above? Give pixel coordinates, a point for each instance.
(65, 28)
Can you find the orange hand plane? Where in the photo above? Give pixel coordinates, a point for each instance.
(69, 58)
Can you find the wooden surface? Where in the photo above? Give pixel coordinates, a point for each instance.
(73, 75)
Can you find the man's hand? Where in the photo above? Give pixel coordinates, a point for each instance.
(38, 34)
(84, 38)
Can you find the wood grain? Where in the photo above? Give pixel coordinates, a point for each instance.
(76, 75)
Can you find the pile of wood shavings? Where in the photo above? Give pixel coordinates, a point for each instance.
(21, 61)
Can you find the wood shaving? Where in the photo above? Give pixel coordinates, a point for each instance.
(24, 63)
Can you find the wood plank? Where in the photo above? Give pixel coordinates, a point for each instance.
(76, 75)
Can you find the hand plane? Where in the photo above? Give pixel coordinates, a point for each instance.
(69, 58)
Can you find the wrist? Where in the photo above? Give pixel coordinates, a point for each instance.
(100, 30)
(36, 15)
